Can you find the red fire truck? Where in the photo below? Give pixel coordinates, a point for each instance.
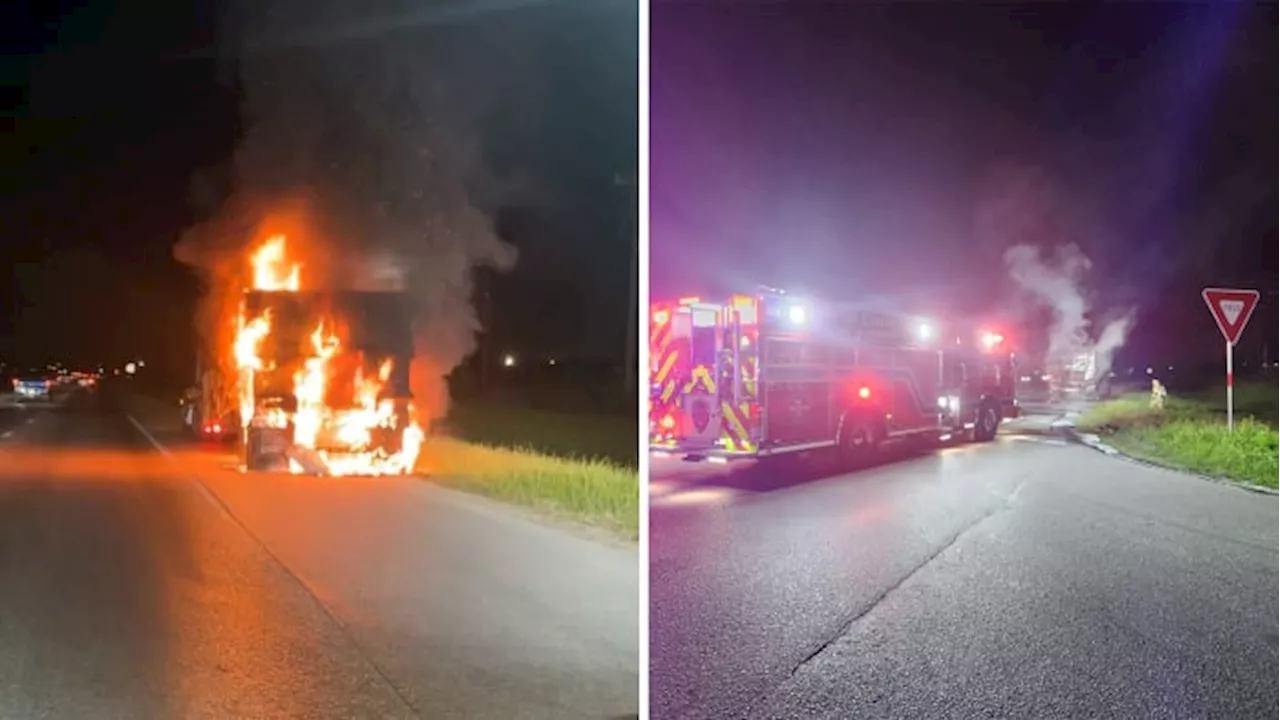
(769, 373)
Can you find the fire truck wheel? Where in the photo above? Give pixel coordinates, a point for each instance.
(858, 438)
(988, 423)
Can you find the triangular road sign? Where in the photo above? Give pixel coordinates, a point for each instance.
(1231, 309)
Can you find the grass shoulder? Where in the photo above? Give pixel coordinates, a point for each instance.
(582, 467)
(1190, 432)
(598, 493)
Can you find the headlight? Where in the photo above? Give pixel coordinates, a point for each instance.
(798, 314)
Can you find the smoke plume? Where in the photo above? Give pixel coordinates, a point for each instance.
(355, 148)
(1057, 281)
(1111, 339)
(1040, 226)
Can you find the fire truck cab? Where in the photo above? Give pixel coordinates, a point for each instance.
(770, 373)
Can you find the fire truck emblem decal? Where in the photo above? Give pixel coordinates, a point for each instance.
(701, 415)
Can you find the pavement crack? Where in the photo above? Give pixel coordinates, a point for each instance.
(845, 627)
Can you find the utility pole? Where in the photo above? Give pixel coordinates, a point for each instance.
(633, 297)
(1269, 324)
(486, 333)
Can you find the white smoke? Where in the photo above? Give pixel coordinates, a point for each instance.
(1035, 221)
(1058, 280)
(1111, 339)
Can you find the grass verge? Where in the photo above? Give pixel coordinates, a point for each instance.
(584, 467)
(599, 493)
(1190, 433)
(610, 437)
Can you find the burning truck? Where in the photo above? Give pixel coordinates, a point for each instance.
(318, 379)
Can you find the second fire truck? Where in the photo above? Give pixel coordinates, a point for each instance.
(769, 373)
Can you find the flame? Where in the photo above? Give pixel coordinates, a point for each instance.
(349, 437)
(271, 271)
(249, 341)
(247, 348)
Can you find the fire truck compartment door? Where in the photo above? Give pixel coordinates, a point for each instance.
(701, 423)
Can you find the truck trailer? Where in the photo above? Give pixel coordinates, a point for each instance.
(370, 348)
(320, 384)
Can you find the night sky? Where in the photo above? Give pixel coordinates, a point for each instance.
(112, 106)
(868, 151)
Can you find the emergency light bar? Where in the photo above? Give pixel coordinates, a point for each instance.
(787, 313)
(924, 330)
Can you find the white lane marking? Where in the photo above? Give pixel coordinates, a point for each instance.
(208, 495)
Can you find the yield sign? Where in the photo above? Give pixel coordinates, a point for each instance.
(1231, 309)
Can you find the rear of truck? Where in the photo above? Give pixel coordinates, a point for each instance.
(325, 390)
(701, 377)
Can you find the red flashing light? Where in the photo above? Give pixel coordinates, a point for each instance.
(864, 392)
(661, 317)
(991, 339)
(667, 422)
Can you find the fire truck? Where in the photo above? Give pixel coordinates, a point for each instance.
(769, 374)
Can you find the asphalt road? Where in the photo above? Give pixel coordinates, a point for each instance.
(137, 583)
(1026, 578)
(14, 413)
(12, 418)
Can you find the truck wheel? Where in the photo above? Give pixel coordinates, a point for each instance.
(859, 439)
(987, 423)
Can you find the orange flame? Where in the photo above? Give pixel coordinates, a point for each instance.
(349, 440)
(247, 347)
(271, 271)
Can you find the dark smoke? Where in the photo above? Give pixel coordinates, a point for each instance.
(356, 147)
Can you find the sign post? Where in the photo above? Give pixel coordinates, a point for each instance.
(1231, 309)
